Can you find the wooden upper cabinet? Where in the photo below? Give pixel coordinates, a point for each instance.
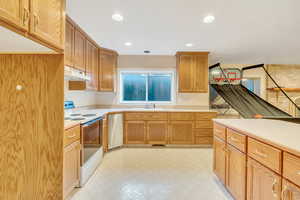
(220, 159)
(40, 20)
(157, 132)
(47, 21)
(200, 73)
(262, 183)
(107, 70)
(236, 173)
(69, 44)
(15, 13)
(181, 132)
(185, 73)
(92, 65)
(192, 69)
(79, 52)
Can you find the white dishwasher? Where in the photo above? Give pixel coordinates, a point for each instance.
(115, 131)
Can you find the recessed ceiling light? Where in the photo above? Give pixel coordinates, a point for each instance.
(117, 17)
(209, 19)
(128, 44)
(189, 45)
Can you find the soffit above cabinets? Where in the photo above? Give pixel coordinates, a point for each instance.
(14, 43)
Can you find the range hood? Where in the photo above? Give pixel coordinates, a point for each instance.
(72, 74)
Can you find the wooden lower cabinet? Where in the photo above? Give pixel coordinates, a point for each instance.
(157, 132)
(220, 159)
(135, 132)
(236, 172)
(262, 183)
(289, 191)
(181, 132)
(177, 128)
(71, 167)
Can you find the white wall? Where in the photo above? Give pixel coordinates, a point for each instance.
(80, 98)
(132, 62)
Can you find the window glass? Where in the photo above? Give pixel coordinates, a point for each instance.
(134, 87)
(146, 87)
(159, 87)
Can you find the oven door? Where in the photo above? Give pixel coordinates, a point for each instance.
(91, 133)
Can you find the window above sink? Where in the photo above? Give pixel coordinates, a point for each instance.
(147, 87)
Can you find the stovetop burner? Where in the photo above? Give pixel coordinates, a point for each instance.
(75, 114)
(89, 115)
(77, 119)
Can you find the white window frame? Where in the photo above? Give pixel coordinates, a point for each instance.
(171, 72)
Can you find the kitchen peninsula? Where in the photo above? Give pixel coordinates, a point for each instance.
(258, 158)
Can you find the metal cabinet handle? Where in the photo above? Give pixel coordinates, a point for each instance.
(283, 192)
(25, 16)
(36, 21)
(273, 187)
(261, 154)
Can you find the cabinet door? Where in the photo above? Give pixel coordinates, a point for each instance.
(135, 132)
(69, 44)
(262, 183)
(219, 159)
(290, 191)
(181, 132)
(79, 51)
(185, 73)
(236, 173)
(200, 73)
(71, 167)
(108, 61)
(157, 132)
(92, 65)
(48, 21)
(15, 13)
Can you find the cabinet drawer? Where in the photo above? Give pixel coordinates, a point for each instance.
(291, 167)
(203, 132)
(220, 131)
(265, 154)
(204, 140)
(203, 116)
(71, 135)
(204, 124)
(236, 139)
(155, 116)
(182, 116)
(134, 116)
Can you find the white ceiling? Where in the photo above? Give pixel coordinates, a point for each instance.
(245, 31)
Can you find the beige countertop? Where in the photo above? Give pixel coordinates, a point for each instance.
(281, 134)
(69, 124)
(102, 112)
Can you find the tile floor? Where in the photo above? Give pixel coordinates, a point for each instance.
(154, 174)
